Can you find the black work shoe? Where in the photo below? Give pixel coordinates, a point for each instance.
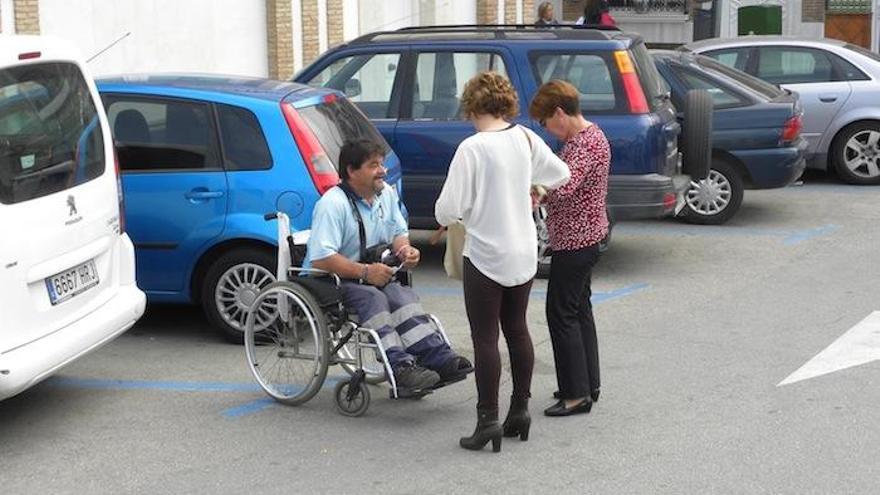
(455, 369)
(411, 376)
(559, 408)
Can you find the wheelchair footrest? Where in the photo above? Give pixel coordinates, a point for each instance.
(408, 393)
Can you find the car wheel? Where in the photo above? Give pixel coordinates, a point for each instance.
(856, 154)
(715, 199)
(231, 284)
(696, 134)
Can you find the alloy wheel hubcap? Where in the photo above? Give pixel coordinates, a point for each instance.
(862, 154)
(711, 195)
(236, 292)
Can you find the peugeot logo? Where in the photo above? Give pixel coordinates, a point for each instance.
(71, 203)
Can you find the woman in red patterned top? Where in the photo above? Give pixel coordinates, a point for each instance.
(576, 223)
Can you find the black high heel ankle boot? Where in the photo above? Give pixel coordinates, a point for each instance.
(487, 429)
(518, 420)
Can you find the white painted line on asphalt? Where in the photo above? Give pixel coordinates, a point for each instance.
(859, 345)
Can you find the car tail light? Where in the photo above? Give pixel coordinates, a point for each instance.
(120, 197)
(29, 55)
(321, 169)
(631, 85)
(792, 129)
(669, 201)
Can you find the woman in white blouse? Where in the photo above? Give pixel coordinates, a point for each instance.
(488, 190)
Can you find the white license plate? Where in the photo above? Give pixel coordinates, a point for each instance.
(72, 282)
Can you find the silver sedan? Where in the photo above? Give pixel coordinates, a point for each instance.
(839, 86)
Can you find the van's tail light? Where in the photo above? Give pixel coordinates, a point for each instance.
(631, 85)
(323, 173)
(120, 197)
(792, 129)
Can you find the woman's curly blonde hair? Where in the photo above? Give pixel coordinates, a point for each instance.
(489, 93)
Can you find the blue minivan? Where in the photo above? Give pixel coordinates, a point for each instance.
(409, 83)
(203, 158)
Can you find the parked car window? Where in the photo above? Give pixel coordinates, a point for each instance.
(337, 121)
(367, 80)
(848, 71)
(737, 58)
(721, 96)
(741, 78)
(154, 135)
(244, 144)
(589, 73)
(790, 65)
(440, 80)
(50, 138)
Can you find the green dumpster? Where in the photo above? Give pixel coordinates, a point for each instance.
(760, 19)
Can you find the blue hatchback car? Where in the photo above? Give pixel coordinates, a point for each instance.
(203, 158)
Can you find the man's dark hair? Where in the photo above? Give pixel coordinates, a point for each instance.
(354, 153)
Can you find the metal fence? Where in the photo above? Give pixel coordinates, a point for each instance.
(650, 6)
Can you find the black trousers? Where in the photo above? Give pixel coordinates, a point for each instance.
(570, 318)
(489, 304)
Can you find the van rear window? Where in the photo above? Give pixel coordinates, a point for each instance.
(336, 122)
(50, 135)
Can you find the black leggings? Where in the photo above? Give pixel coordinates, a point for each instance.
(488, 304)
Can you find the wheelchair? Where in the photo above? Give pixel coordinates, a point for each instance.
(297, 327)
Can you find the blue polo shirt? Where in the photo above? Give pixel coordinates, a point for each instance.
(335, 229)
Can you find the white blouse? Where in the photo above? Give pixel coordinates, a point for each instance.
(487, 189)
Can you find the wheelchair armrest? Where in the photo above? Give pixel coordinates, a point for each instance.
(316, 272)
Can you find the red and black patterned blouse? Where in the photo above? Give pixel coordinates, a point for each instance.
(576, 211)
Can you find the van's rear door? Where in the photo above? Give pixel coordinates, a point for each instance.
(59, 210)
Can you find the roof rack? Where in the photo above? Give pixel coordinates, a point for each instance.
(490, 27)
(499, 30)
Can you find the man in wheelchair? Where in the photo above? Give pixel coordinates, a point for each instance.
(352, 224)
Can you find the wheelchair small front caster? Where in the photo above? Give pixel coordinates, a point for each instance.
(352, 397)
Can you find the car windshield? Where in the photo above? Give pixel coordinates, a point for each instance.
(740, 78)
(50, 136)
(337, 121)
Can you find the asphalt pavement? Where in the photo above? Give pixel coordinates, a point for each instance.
(697, 328)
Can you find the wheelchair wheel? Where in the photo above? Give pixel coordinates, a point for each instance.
(374, 370)
(288, 356)
(351, 403)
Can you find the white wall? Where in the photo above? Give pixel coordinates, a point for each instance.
(213, 36)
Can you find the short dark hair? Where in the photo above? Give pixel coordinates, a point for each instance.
(356, 152)
(555, 94)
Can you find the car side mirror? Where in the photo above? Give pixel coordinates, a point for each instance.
(352, 88)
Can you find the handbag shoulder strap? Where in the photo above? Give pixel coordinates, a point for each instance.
(528, 138)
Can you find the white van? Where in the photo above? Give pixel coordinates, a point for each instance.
(67, 279)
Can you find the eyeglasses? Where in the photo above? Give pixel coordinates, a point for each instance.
(543, 122)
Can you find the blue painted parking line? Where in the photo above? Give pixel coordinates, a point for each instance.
(805, 235)
(251, 407)
(102, 384)
(598, 297)
(787, 237)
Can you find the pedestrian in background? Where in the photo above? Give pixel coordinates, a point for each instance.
(596, 14)
(487, 190)
(576, 224)
(545, 15)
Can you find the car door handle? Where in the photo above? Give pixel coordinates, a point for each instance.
(827, 98)
(196, 194)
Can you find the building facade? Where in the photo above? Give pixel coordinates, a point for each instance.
(272, 38)
(276, 38)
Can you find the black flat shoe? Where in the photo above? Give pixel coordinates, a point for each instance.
(559, 408)
(593, 395)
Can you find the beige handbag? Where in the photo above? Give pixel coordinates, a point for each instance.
(453, 260)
